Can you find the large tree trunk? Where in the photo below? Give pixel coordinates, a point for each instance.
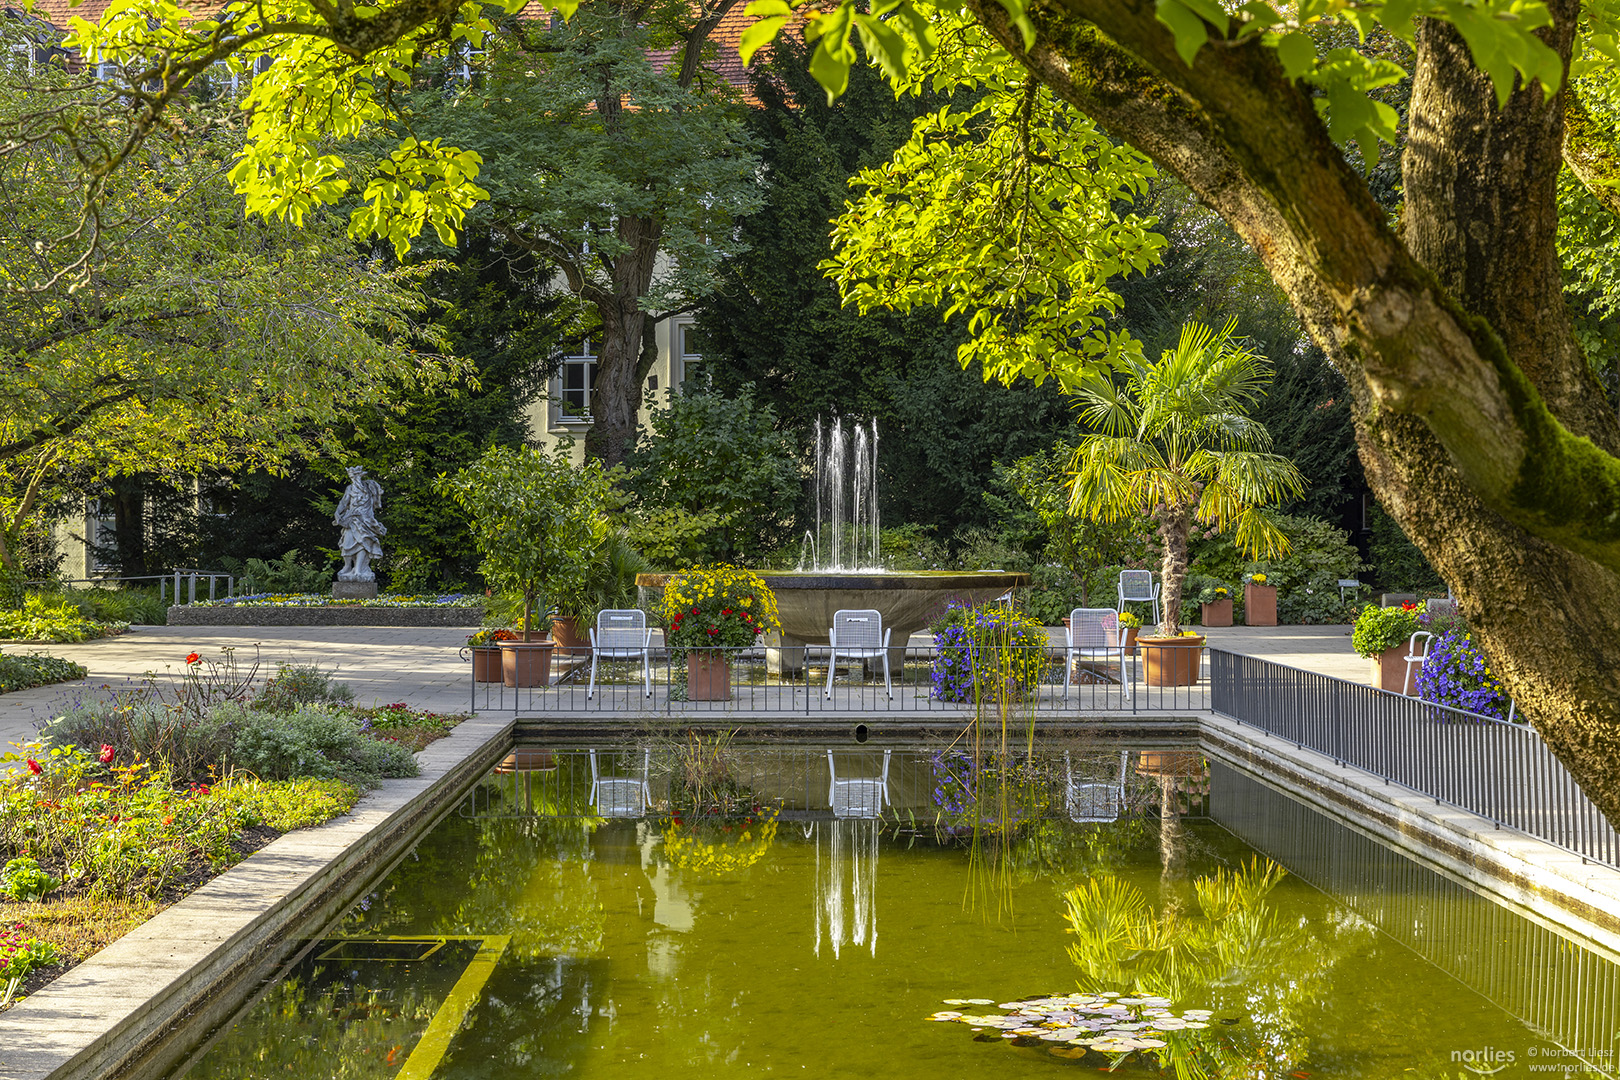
(616, 401)
(1479, 427)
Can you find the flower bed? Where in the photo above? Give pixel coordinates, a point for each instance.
(465, 600)
(35, 669)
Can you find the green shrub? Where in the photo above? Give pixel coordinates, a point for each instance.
(22, 880)
(134, 605)
(283, 575)
(1381, 628)
(1397, 564)
(284, 805)
(300, 684)
(311, 741)
(23, 672)
(50, 617)
(1052, 594)
(1307, 578)
(190, 743)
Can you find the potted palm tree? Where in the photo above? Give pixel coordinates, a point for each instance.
(1171, 440)
(536, 521)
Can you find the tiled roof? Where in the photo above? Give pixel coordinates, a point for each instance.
(727, 36)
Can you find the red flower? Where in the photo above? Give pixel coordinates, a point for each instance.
(35, 767)
(725, 611)
(107, 752)
(713, 630)
(193, 658)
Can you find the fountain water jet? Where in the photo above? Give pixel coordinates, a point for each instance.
(847, 530)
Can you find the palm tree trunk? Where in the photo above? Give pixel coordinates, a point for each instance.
(1175, 523)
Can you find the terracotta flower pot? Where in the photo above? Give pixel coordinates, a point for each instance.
(486, 661)
(570, 639)
(1130, 636)
(1218, 613)
(526, 663)
(1171, 661)
(1389, 669)
(1259, 605)
(708, 676)
(1170, 763)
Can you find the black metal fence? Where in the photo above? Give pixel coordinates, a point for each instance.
(1498, 770)
(758, 680)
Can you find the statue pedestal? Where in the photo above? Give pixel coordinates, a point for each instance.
(354, 590)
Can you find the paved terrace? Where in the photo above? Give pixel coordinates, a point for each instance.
(423, 666)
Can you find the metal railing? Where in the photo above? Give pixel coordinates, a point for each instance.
(163, 580)
(1500, 771)
(942, 784)
(921, 680)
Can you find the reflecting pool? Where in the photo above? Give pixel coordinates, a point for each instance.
(713, 912)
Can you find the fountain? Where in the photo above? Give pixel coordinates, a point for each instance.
(831, 574)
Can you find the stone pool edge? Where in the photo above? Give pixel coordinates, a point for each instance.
(1555, 885)
(103, 1017)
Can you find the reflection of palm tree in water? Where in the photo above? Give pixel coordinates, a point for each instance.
(1172, 840)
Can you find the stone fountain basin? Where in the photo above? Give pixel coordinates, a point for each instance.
(908, 601)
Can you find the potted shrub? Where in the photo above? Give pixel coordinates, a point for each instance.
(535, 520)
(485, 647)
(1216, 601)
(709, 616)
(1381, 635)
(1173, 442)
(1259, 602)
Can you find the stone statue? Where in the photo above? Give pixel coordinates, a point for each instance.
(362, 532)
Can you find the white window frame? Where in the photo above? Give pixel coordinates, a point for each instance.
(571, 406)
(681, 357)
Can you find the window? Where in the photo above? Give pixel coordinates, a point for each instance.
(577, 383)
(688, 362)
(102, 532)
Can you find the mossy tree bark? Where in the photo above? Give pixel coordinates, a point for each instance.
(1481, 429)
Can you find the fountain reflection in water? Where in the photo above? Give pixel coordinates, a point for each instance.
(846, 884)
(847, 527)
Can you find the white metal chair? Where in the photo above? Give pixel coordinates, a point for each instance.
(1139, 585)
(858, 796)
(1094, 634)
(1350, 585)
(622, 634)
(858, 634)
(621, 796)
(1094, 800)
(1416, 653)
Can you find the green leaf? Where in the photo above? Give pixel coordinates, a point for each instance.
(1190, 32)
(1297, 54)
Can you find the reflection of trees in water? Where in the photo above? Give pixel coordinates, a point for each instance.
(1229, 951)
(346, 1020)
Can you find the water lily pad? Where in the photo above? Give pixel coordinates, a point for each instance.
(1068, 1051)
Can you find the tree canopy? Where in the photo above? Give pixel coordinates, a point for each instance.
(1479, 422)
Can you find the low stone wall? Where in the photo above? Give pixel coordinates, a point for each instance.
(336, 615)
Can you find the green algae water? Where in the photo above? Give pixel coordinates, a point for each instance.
(531, 935)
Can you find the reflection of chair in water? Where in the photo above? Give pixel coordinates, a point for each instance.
(858, 635)
(1093, 800)
(858, 796)
(621, 796)
(622, 634)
